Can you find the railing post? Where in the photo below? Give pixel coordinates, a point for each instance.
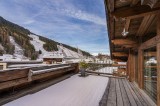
(76, 67)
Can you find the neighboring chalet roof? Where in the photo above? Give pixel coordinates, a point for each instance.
(53, 55)
(138, 17)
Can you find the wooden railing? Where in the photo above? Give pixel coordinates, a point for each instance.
(121, 69)
(16, 77)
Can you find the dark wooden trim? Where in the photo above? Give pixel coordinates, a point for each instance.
(150, 43)
(140, 68)
(150, 3)
(127, 23)
(109, 7)
(123, 42)
(147, 20)
(120, 54)
(134, 2)
(134, 12)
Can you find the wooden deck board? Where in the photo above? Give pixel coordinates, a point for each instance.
(140, 96)
(112, 94)
(124, 94)
(133, 94)
(120, 92)
(129, 94)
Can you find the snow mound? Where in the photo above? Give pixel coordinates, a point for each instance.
(74, 91)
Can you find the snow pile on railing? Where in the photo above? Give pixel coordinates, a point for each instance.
(49, 70)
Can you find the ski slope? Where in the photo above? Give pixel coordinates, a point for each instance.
(38, 45)
(18, 52)
(69, 53)
(1, 47)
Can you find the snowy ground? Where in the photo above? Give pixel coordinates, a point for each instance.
(75, 91)
(107, 69)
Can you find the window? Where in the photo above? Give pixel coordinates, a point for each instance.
(150, 73)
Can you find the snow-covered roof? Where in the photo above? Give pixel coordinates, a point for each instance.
(55, 54)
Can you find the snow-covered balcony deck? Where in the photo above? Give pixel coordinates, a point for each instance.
(74, 91)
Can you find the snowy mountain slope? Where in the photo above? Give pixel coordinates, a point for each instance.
(69, 53)
(1, 47)
(28, 47)
(18, 52)
(38, 45)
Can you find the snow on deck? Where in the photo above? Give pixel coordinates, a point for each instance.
(74, 91)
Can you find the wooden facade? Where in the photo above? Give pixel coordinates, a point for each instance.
(134, 33)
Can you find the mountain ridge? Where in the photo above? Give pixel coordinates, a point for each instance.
(22, 38)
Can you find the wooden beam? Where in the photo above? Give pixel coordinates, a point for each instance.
(150, 3)
(134, 12)
(110, 5)
(123, 42)
(120, 54)
(118, 60)
(150, 43)
(127, 24)
(134, 2)
(147, 20)
(150, 54)
(158, 24)
(130, 46)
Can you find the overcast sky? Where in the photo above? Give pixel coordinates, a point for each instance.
(79, 23)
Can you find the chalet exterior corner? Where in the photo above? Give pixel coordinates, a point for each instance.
(134, 33)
